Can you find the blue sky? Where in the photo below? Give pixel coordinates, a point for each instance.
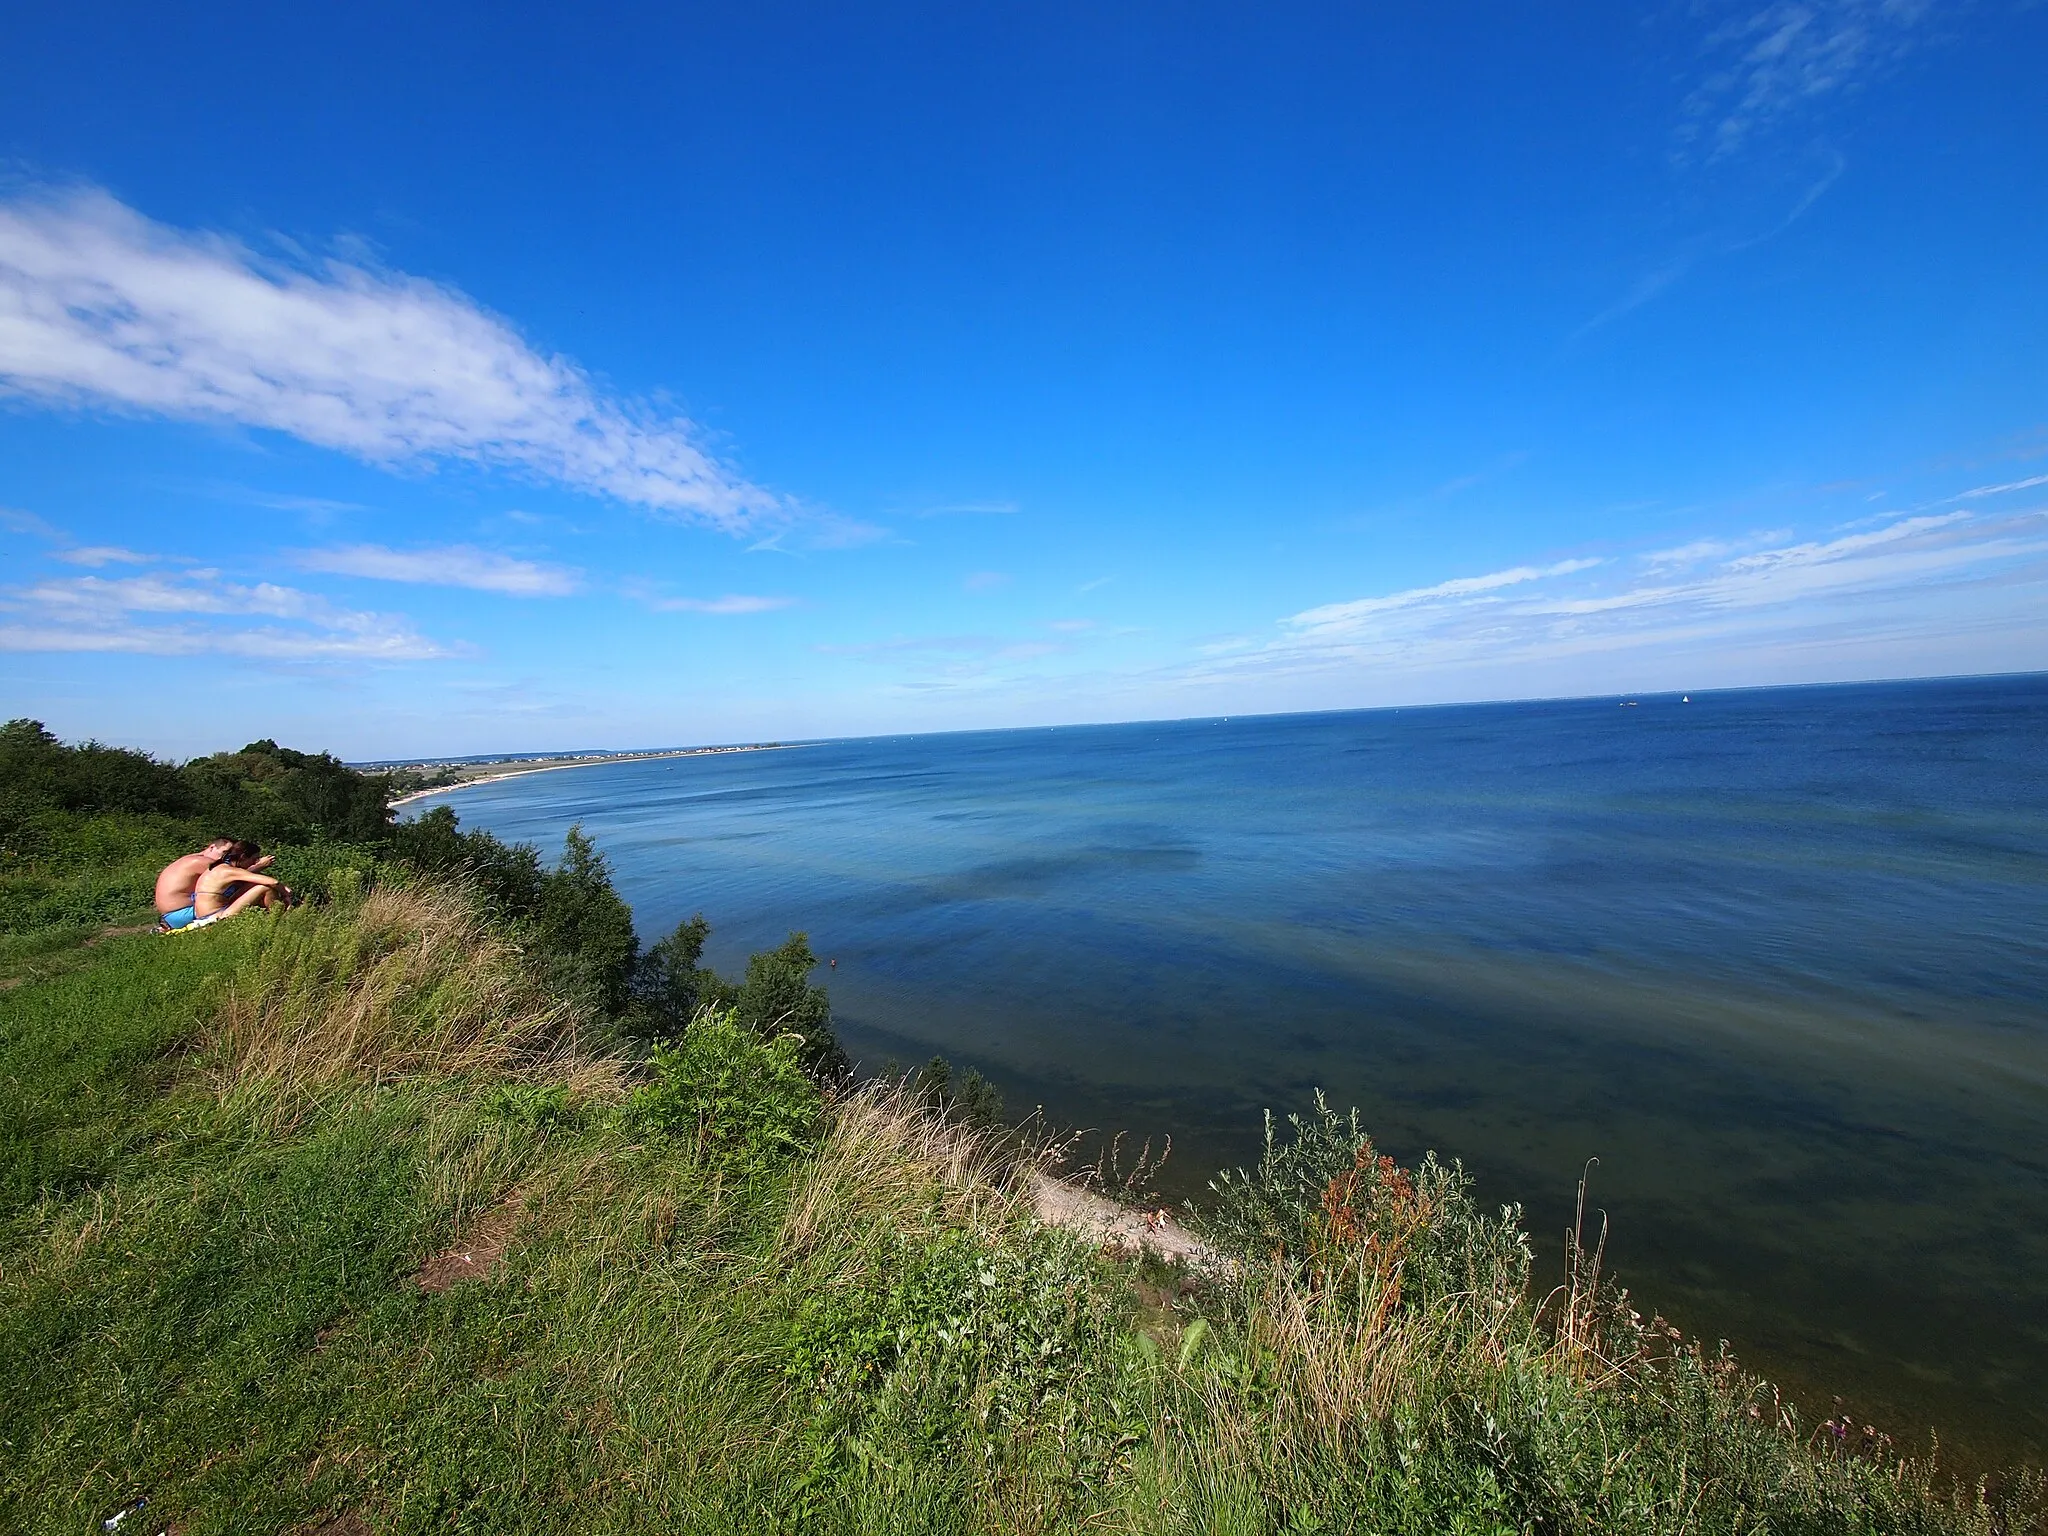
(505, 379)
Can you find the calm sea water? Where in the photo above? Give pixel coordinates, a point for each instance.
(1778, 959)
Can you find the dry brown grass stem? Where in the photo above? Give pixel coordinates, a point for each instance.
(408, 980)
(1334, 1365)
(890, 1163)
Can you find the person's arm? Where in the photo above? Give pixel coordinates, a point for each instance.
(218, 878)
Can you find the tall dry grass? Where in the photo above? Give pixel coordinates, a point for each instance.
(405, 979)
(888, 1164)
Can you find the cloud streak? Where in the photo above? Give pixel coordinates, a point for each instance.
(1789, 54)
(102, 307)
(732, 603)
(456, 565)
(97, 555)
(1924, 578)
(125, 614)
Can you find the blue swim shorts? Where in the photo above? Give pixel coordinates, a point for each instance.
(179, 918)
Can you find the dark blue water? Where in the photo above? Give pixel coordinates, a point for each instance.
(1778, 959)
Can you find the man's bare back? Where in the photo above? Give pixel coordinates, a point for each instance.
(174, 887)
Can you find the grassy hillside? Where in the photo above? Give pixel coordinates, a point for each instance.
(353, 1219)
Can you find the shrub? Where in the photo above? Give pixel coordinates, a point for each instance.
(777, 998)
(671, 985)
(585, 928)
(1007, 1347)
(274, 794)
(726, 1091)
(966, 1097)
(39, 771)
(508, 876)
(1323, 1203)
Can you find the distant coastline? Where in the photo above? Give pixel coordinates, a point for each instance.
(473, 774)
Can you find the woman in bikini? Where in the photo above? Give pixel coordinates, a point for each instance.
(234, 885)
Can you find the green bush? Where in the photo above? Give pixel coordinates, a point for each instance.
(1008, 1349)
(273, 794)
(966, 1098)
(671, 985)
(585, 929)
(777, 998)
(507, 876)
(728, 1092)
(1324, 1201)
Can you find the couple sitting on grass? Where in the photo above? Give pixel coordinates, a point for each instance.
(223, 878)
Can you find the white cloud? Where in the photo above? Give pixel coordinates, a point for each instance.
(456, 565)
(1981, 491)
(94, 613)
(96, 555)
(100, 306)
(14, 520)
(986, 581)
(1789, 54)
(1712, 549)
(1336, 619)
(970, 509)
(1922, 581)
(731, 603)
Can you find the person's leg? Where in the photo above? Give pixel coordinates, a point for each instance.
(252, 896)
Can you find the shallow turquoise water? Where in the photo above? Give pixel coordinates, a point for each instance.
(1778, 959)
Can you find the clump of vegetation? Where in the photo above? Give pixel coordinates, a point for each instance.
(1324, 1207)
(723, 1087)
(966, 1097)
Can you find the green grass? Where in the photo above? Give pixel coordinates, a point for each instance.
(726, 1305)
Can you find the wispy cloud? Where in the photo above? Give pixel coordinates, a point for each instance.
(1712, 549)
(208, 617)
(1982, 491)
(14, 520)
(100, 306)
(731, 604)
(986, 581)
(816, 529)
(969, 509)
(96, 555)
(457, 565)
(1915, 576)
(1771, 62)
(318, 509)
(982, 647)
(1345, 618)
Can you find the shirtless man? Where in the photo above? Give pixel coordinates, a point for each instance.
(174, 887)
(236, 884)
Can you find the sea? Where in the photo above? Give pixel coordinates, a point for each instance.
(1768, 968)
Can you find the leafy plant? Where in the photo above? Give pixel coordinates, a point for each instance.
(1007, 1346)
(671, 984)
(777, 998)
(1323, 1201)
(723, 1089)
(585, 927)
(967, 1097)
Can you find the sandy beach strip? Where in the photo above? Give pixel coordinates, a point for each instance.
(587, 762)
